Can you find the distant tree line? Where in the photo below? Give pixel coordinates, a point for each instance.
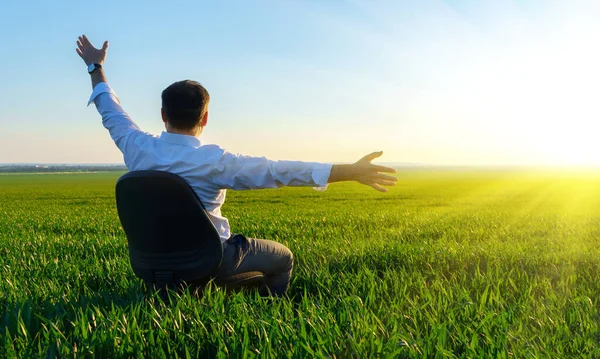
(32, 168)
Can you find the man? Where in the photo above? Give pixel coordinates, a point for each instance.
(211, 170)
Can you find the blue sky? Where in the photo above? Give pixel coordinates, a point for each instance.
(439, 82)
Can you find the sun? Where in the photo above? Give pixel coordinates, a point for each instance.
(546, 100)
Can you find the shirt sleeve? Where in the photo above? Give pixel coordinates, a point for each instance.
(114, 118)
(240, 172)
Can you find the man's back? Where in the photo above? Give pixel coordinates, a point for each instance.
(188, 158)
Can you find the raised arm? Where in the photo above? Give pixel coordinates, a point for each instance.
(114, 118)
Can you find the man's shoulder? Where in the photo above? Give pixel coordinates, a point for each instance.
(211, 152)
(212, 147)
(139, 136)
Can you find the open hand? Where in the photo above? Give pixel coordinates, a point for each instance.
(370, 174)
(363, 171)
(89, 53)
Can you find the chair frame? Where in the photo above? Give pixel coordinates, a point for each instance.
(180, 261)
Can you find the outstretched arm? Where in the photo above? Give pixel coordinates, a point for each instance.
(121, 127)
(363, 171)
(233, 171)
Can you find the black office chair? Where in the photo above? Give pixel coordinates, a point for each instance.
(172, 241)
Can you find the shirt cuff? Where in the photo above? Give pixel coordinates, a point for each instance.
(320, 175)
(101, 88)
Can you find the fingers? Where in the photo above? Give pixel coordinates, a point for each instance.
(86, 41)
(79, 48)
(105, 46)
(384, 169)
(376, 183)
(377, 187)
(385, 177)
(371, 156)
(383, 182)
(386, 182)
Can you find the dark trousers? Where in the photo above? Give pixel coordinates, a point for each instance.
(241, 254)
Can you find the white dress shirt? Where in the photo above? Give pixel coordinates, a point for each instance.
(209, 169)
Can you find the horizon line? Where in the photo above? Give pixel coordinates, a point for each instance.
(388, 163)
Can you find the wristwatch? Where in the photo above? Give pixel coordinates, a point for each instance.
(93, 67)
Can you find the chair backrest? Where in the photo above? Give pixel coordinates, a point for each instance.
(171, 238)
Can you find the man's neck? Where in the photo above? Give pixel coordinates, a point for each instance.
(196, 131)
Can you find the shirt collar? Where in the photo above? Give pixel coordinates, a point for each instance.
(178, 139)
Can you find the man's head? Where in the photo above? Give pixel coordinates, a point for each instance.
(185, 107)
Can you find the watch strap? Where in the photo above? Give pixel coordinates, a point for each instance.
(93, 67)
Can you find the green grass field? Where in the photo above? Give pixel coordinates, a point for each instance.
(477, 264)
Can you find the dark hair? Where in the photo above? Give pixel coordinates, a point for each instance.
(185, 103)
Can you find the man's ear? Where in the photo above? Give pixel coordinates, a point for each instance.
(162, 114)
(204, 119)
